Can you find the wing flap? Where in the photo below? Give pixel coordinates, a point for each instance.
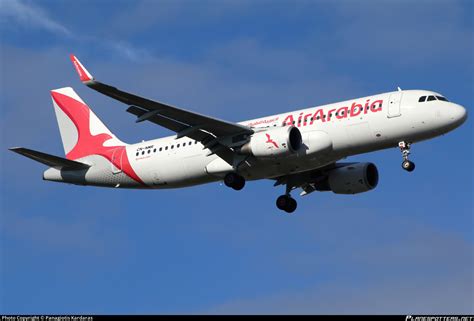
(171, 124)
(193, 132)
(49, 160)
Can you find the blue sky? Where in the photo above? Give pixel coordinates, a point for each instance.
(406, 247)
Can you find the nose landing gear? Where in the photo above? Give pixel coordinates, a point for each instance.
(405, 149)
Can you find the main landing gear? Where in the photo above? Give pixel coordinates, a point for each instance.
(405, 149)
(286, 202)
(234, 181)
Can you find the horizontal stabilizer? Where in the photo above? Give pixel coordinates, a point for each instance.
(49, 160)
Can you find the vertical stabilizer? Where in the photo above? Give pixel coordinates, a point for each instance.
(82, 132)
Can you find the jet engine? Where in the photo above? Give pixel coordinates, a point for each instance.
(353, 179)
(273, 142)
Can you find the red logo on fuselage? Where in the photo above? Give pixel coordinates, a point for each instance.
(88, 144)
(328, 114)
(271, 141)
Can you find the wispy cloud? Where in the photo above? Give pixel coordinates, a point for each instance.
(128, 51)
(27, 14)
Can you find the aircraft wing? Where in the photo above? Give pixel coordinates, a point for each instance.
(215, 134)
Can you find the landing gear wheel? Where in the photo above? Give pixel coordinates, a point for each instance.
(239, 184)
(234, 181)
(408, 166)
(286, 203)
(282, 202)
(291, 206)
(405, 149)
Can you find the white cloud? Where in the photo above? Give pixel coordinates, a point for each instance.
(128, 51)
(26, 14)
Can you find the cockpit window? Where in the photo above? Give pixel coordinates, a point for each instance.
(431, 98)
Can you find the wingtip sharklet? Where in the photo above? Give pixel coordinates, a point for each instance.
(84, 75)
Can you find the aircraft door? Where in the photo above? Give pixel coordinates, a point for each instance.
(117, 160)
(394, 103)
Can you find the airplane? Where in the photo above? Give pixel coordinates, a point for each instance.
(297, 149)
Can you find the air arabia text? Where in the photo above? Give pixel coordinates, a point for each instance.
(339, 113)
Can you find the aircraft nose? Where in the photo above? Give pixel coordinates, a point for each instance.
(458, 114)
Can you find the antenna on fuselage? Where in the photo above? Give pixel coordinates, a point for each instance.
(399, 89)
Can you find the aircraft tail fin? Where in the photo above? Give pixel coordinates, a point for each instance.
(82, 132)
(50, 160)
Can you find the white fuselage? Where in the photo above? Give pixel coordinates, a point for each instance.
(352, 127)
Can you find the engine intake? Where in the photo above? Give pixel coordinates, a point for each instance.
(353, 179)
(274, 142)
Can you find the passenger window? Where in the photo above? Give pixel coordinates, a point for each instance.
(143, 153)
(149, 151)
(442, 98)
(430, 98)
(137, 154)
(166, 148)
(154, 150)
(172, 146)
(161, 148)
(422, 99)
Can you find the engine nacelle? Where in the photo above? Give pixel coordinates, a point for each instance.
(353, 179)
(274, 142)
